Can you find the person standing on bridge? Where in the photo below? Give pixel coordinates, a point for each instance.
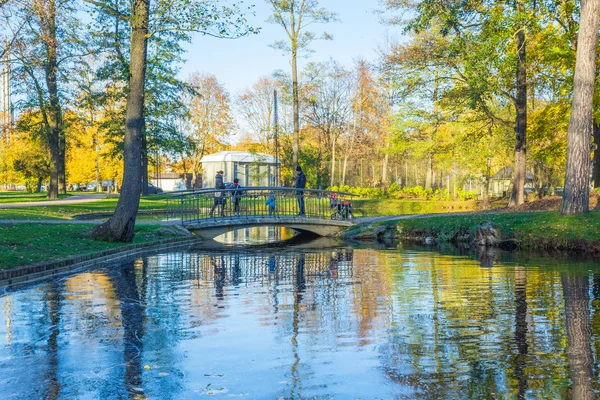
(300, 184)
(219, 196)
(236, 196)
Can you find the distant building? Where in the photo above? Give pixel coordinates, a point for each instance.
(501, 181)
(252, 169)
(171, 181)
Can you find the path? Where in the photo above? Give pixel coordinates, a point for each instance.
(77, 222)
(74, 199)
(359, 221)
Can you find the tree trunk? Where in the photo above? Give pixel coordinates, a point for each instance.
(332, 178)
(145, 164)
(62, 169)
(55, 124)
(486, 185)
(97, 151)
(295, 101)
(429, 176)
(579, 349)
(519, 177)
(120, 227)
(576, 194)
(596, 171)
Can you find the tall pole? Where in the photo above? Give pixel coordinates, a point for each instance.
(276, 137)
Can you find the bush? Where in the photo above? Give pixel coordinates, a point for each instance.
(407, 193)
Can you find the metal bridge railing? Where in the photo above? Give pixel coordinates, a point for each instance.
(273, 202)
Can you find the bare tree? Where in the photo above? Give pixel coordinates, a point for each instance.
(256, 107)
(210, 120)
(295, 16)
(329, 89)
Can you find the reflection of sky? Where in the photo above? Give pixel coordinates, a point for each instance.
(342, 323)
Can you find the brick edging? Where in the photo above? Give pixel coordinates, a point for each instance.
(44, 269)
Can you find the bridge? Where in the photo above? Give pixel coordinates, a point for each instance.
(211, 212)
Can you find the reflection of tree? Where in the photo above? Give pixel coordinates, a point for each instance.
(521, 330)
(236, 271)
(132, 314)
(298, 295)
(53, 299)
(579, 351)
(220, 275)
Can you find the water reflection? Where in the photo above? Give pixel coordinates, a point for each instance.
(256, 235)
(336, 323)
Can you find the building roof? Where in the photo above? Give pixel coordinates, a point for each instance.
(240, 156)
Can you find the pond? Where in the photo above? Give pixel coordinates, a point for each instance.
(336, 322)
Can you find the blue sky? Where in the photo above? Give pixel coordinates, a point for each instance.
(239, 63)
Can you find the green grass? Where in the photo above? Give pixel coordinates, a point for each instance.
(385, 207)
(68, 211)
(23, 197)
(27, 243)
(531, 230)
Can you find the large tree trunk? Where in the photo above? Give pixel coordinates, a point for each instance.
(120, 227)
(596, 170)
(520, 172)
(576, 195)
(55, 124)
(295, 101)
(579, 349)
(145, 165)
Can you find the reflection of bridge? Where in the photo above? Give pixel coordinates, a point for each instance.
(210, 213)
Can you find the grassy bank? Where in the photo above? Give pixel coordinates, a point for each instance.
(27, 243)
(385, 207)
(537, 230)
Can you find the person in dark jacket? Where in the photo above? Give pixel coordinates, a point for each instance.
(236, 196)
(300, 184)
(219, 196)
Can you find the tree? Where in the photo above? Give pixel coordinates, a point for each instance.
(209, 120)
(120, 227)
(178, 16)
(328, 94)
(576, 195)
(28, 153)
(44, 51)
(257, 108)
(295, 16)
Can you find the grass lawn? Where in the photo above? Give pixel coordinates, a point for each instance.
(67, 211)
(27, 243)
(546, 229)
(384, 207)
(7, 197)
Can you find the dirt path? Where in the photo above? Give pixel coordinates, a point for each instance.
(77, 198)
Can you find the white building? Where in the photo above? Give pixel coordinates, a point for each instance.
(252, 169)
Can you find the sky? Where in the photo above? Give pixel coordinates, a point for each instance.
(241, 62)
